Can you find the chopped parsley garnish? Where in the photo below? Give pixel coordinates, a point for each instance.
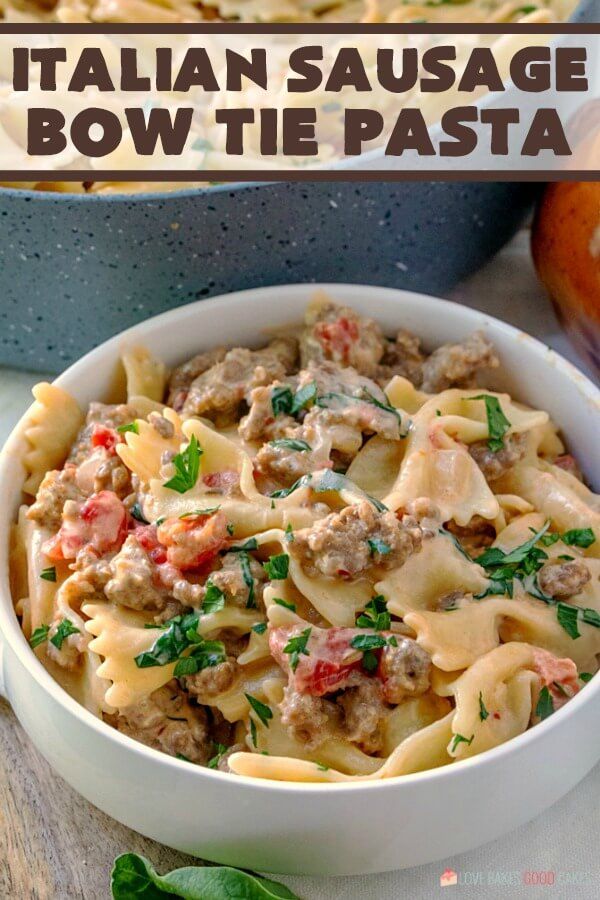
(187, 467)
(386, 407)
(193, 513)
(329, 480)
(579, 537)
(289, 533)
(180, 635)
(497, 422)
(368, 642)
(39, 636)
(248, 579)
(253, 734)
(290, 444)
(168, 647)
(285, 603)
(263, 711)
(375, 615)
(277, 567)
(304, 481)
(460, 739)
(576, 537)
(282, 399)
(483, 713)
(183, 757)
(455, 541)
(285, 402)
(220, 751)
(585, 677)
(296, 647)
(560, 688)
(545, 706)
(376, 545)
(333, 399)
(567, 617)
(590, 616)
(369, 661)
(204, 655)
(250, 544)
(214, 598)
(522, 564)
(130, 426)
(64, 630)
(138, 515)
(259, 628)
(48, 574)
(503, 568)
(321, 767)
(303, 397)
(230, 529)
(548, 539)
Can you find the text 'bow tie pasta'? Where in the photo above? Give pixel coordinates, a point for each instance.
(334, 557)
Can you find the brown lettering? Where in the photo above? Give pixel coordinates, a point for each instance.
(360, 125)
(311, 74)
(44, 132)
(91, 71)
(452, 124)
(234, 121)
(546, 133)
(112, 132)
(348, 71)
(47, 58)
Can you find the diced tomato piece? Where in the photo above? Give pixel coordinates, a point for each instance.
(195, 541)
(325, 668)
(105, 437)
(101, 523)
(337, 337)
(569, 464)
(556, 674)
(148, 541)
(221, 481)
(325, 677)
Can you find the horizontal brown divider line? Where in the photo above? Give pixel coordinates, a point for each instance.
(277, 175)
(302, 28)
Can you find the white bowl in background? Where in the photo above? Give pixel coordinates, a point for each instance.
(298, 828)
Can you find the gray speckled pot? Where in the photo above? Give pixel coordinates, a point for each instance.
(75, 270)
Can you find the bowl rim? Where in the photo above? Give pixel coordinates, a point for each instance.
(12, 635)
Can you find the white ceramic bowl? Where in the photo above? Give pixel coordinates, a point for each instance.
(310, 829)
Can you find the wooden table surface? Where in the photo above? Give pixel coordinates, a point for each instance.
(55, 845)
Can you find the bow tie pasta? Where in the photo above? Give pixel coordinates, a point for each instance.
(334, 557)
